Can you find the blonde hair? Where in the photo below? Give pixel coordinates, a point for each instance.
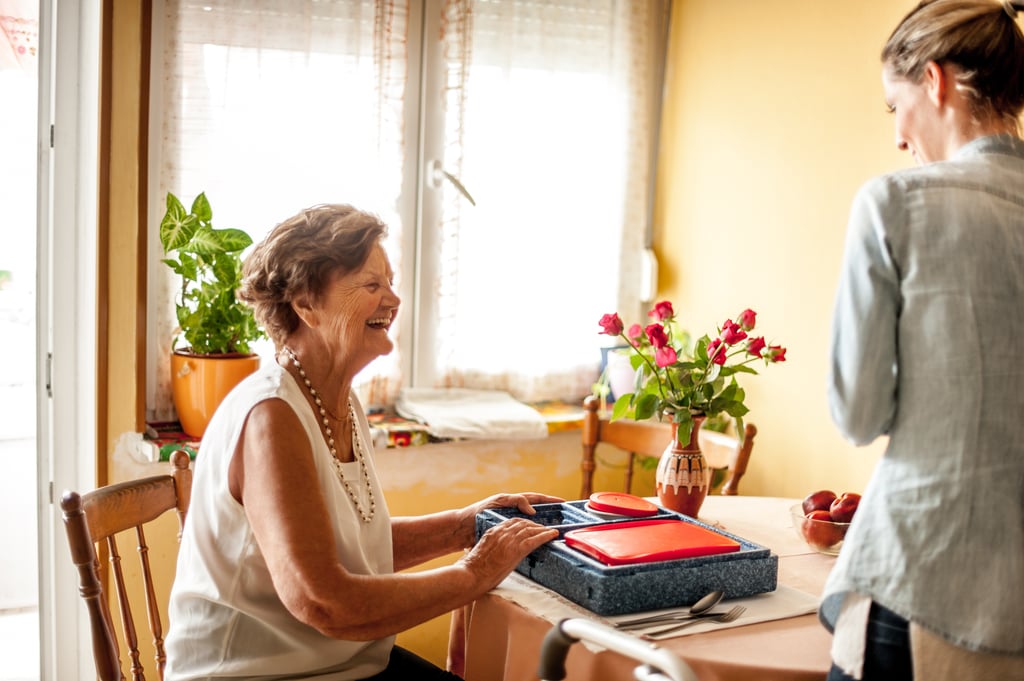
(980, 38)
(299, 256)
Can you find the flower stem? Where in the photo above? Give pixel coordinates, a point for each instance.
(654, 367)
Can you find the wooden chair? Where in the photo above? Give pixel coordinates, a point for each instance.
(649, 438)
(98, 516)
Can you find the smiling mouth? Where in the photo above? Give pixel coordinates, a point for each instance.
(379, 323)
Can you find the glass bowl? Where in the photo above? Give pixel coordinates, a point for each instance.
(823, 536)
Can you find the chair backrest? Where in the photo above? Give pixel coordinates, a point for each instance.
(98, 516)
(649, 438)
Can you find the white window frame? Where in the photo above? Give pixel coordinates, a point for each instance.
(420, 202)
(69, 38)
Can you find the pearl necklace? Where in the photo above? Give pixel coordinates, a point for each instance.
(357, 443)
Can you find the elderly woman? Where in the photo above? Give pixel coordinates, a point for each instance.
(288, 567)
(927, 340)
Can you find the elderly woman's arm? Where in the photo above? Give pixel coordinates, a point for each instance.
(274, 477)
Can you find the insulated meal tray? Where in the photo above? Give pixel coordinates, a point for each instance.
(607, 589)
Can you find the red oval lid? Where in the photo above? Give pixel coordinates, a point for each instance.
(622, 504)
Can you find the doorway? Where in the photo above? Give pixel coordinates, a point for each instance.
(19, 588)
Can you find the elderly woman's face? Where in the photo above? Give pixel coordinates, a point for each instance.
(358, 308)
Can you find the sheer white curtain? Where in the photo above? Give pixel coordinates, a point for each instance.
(270, 107)
(547, 111)
(550, 109)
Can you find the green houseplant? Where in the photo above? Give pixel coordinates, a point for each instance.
(209, 261)
(218, 329)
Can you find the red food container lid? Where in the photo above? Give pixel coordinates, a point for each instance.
(646, 541)
(622, 504)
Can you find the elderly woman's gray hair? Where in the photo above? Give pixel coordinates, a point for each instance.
(299, 256)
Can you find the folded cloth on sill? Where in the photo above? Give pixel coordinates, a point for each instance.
(465, 413)
(783, 603)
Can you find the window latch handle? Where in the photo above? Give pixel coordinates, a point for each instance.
(437, 175)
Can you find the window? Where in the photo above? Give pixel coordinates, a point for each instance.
(539, 113)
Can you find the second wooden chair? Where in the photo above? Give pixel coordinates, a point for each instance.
(649, 439)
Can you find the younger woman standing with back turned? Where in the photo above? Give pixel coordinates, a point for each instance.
(927, 341)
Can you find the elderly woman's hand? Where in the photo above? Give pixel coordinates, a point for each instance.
(502, 547)
(523, 502)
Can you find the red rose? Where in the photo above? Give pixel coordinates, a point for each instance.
(732, 333)
(716, 351)
(665, 356)
(611, 324)
(635, 332)
(662, 311)
(656, 334)
(747, 319)
(755, 346)
(776, 353)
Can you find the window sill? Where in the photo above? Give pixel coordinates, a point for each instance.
(390, 430)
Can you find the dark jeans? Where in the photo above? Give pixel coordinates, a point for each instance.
(407, 666)
(886, 651)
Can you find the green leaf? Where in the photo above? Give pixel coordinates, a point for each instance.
(701, 350)
(188, 267)
(232, 240)
(177, 226)
(736, 410)
(729, 392)
(204, 241)
(621, 406)
(227, 271)
(201, 209)
(645, 407)
(684, 421)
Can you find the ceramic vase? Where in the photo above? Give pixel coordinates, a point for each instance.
(683, 477)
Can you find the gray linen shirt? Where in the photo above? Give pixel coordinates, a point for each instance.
(928, 347)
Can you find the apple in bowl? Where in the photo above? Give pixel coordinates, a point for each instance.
(823, 517)
(818, 501)
(819, 531)
(843, 507)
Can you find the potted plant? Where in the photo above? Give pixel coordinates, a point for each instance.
(218, 330)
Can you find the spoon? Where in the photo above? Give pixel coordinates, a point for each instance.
(703, 604)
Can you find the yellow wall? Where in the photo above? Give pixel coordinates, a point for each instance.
(774, 115)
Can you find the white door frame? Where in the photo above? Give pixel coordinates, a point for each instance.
(66, 306)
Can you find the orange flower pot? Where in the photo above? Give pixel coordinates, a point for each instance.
(199, 383)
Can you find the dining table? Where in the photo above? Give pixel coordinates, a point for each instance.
(778, 637)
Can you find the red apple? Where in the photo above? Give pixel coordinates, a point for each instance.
(818, 501)
(819, 531)
(843, 508)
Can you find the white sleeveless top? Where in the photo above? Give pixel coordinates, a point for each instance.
(226, 619)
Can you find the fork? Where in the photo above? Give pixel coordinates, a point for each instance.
(728, 616)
